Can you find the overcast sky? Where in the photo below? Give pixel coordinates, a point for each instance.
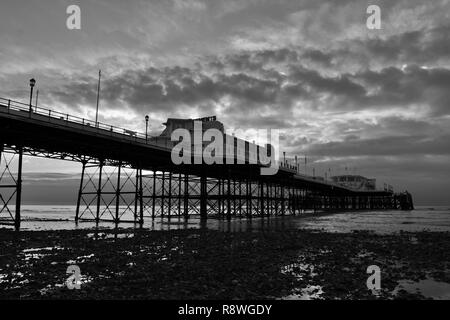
(347, 96)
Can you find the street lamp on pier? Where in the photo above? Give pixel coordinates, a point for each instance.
(32, 84)
(146, 128)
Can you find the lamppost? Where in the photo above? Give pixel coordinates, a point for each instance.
(146, 128)
(32, 84)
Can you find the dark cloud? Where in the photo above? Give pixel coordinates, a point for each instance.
(385, 146)
(425, 46)
(413, 85)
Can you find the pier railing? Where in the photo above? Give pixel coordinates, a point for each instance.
(50, 116)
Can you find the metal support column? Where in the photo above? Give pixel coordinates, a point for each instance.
(19, 190)
(80, 191)
(261, 199)
(170, 196)
(219, 198)
(118, 189)
(203, 197)
(99, 192)
(186, 196)
(179, 195)
(136, 194)
(249, 199)
(240, 199)
(154, 194)
(162, 192)
(229, 198)
(141, 198)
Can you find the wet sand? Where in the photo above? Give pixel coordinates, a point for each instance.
(209, 264)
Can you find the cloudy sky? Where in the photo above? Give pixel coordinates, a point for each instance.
(374, 101)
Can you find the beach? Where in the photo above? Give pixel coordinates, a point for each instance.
(279, 261)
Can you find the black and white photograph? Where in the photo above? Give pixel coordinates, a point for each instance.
(230, 156)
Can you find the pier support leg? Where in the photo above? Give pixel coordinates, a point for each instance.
(203, 198)
(229, 198)
(163, 187)
(261, 198)
(10, 187)
(169, 206)
(219, 199)
(240, 199)
(80, 191)
(99, 192)
(179, 194)
(250, 199)
(136, 196)
(19, 191)
(141, 198)
(234, 198)
(118, 189)
(154, 195)
(186, 197)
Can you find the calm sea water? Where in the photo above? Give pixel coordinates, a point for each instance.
(423, 218)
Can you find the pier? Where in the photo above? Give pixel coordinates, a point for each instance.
(122, 168)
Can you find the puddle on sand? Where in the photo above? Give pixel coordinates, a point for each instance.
(81, 259)
(308, 293)
(49, 288)
(429, 288)
(41, 249)
(39, 253)
(300, 270)
(14, 277)
(97, 236)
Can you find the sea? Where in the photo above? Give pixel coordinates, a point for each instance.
(428, 218)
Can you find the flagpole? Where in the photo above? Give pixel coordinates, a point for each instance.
(305, 166)
(98, 96)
